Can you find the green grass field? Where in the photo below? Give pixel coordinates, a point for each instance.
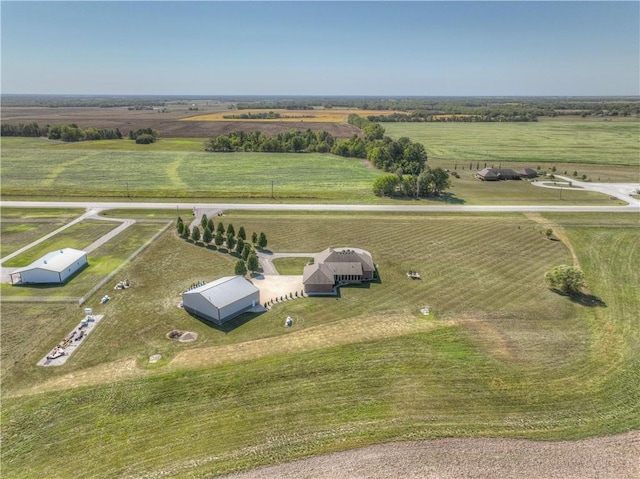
(500, 355)
(34, 172)
(98, 172)
(555, 141)
(102, 261)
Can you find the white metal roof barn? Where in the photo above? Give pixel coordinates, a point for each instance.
(54, 267)
(221, 300)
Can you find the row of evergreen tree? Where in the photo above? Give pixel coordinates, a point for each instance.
(226, 237)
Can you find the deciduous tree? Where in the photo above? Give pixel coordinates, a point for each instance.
(567, 279)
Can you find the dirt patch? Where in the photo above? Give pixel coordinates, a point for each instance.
(614, 457)
(182, 336)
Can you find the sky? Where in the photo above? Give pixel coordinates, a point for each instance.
(382, 48)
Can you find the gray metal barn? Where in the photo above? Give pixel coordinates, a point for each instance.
(221, 300)
(54, 267)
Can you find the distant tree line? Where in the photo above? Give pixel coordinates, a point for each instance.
(70, 132)
(466, 108)
(481, 106)
(488, 116)
(292, 141)
(276, 105)
(270, 115)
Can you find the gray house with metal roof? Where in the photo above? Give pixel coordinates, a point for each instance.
(54, 267)
(221, 300)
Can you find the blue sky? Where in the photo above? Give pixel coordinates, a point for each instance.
(321, 48)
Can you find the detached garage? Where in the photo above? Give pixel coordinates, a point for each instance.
(221, 300)
(55, 267)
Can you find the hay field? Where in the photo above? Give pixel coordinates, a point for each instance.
(334, 115)
(576, 140)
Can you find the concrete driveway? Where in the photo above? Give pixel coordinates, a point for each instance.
(275, 286)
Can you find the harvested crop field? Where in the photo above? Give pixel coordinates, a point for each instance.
(169, 125)
(606, 457)
(335, 115)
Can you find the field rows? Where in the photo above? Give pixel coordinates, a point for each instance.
(75, 172)
(546, 141)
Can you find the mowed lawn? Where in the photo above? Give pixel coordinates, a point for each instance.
(179, 174)
(499, 355)
(546, 141)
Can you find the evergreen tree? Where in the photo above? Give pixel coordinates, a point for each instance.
(210, 225)
(179, 226)
(220, 228)
(231, 242)
(230, 230)
(207, 236)
(240, 245)
(219, 239)
(204, 222)
(195, 234)
(262, 241)
(252, 262)
(242, 234)
(246, 251)
(240, 268)
(254, 237)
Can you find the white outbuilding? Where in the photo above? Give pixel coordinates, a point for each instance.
(54, 267)
(221, 300)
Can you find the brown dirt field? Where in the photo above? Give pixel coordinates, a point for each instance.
(167, 124)
(614, 457)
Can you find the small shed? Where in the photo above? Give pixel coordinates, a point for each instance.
(54, 267)
(221, 300)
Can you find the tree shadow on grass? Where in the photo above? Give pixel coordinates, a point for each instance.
(582, 298)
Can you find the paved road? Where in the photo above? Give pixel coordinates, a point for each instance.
(622, 191)
(633, 205)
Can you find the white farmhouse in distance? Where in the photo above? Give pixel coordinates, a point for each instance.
(54, 267)
(221, 300)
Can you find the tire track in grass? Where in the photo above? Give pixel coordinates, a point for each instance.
(60, 169)
(558, 232)
(173, 175)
